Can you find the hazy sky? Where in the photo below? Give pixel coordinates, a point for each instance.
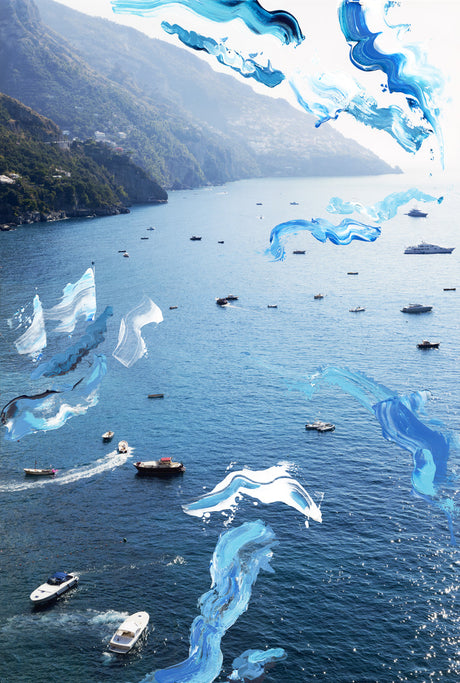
(433, 25)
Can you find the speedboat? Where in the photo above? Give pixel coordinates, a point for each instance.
(57, 584)
(231, 297)
(40, 471)
(159, 468)
(424, 248)
(417, 213)
(320, 426)
(358, 309)
(272, 305)
(416, 308)
(319, 296)
(194, 238)
(222, 301)
(122, 447)
(129, 632)
(107, 436)
(299, 251)
(425, 344)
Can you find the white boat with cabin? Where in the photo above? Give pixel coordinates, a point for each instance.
(56, 585)
(129, 632)
(424, 248)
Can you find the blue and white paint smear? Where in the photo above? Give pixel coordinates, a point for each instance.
(131, 346)
(78, 300)
(251, 664)
(272, 485)
(240, 554)
(383, 210)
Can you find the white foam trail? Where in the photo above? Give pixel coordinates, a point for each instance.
(131, 345)
(33, 341)
(108, 462)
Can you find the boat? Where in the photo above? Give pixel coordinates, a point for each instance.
(320, 426)
(294, 203)
(144, 238)
(107, 436)
(122, 447)
(416, 308)
(231, 297)
(258, 203)
(357, 309)
(194, 238)
(352, 272)
(425, 248)
(159, 468)
(126, 255)
(40, 471)
(417, 213)
(450, 289)
(122, 251)
(272, 305)
(172, 308)
(56, 585)
(319, 296)
(299, 251)
(425, 344)
(156, 396)
(150, 228)
(129, 632)
(222, 302)
(220, 242)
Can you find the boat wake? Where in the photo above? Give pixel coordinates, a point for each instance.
(108, 462)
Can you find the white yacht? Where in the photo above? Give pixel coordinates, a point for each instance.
(416, 308)
(424, 248)
(129, 632)
(57, 584)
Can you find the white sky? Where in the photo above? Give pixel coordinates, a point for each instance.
(434, 25)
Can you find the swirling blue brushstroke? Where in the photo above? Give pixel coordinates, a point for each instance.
(280, 24)
(400, 418)
(366, 56)
(246, 67)
(344, 233)
(251, 664)
(383, 210)
(78, 299)
(33, 340)
(239, 555)
(329, 99)
(52, 408)
(69, 359)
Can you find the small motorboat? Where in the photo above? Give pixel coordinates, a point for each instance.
(195, 238)
(40, 471)
(417, 213)
(416, 308)
(272, 305)
(107, 436)
(258, 203)
(172, 308)
(57, 584)
(156, 395)
(231, 297)
(222, 301)
(299, 251)
(294, 203)
(320, 426)
(352, 272)
(220, 241)
(122, 447)
(129, 632)
(357, 309)
(126, 255)
(319, 296)
(159, 468)
(122, 251)
(150, 228)
(425, 344)
(144, 238)
(450, 289)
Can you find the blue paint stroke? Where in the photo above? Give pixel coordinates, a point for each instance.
(280, 24)
(239, 555)
(344, 233)
(69, 359)
(248, 68)
(400, 418)
(51, 409)
(33, 340)
(251, 664)
(272, 485)
(407, 71)
(328, 95)
(78, 299)
(383, 210)
(131, 345)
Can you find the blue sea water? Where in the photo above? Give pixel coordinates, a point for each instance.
(368, 595)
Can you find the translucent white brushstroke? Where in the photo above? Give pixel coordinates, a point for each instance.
(33, 340)
(78, 299)
(251, 664)
(273, 485)
(131, 346)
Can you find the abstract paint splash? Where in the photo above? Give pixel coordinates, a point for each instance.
(251, 664)
(33, 340)
(344, 233)
(383, 210)
(68, 360)
(247, 67)
(272, 485)
(52, 408)
(78, 300)
(239, 556)
(278, 23)
(131, 346)
(403, 421)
